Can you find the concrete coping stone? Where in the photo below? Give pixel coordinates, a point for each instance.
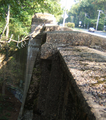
(62, 32)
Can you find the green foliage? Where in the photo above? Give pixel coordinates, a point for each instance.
(69, 24)
(101, 24)
(21, 12)
(18, 28)
(86, 11)
(2, 25)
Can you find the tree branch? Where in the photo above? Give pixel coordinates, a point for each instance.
(39, 29)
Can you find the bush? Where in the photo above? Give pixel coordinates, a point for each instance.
(100, 27)
(69, 24)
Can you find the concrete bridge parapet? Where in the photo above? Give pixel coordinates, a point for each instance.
(82, 60)
(72, 77)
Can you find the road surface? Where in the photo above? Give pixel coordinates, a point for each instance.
(97, 33)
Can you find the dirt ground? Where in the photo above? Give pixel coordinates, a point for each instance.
(9, 106)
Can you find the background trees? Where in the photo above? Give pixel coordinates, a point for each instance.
(86, 12)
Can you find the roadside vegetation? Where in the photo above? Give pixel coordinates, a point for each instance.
(69, 24)
(85, 13)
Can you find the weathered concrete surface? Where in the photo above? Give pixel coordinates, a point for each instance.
(40, 18)
(61, 94)
(58, 98)
(72, 38)
(48, 20)
(14, 70)
(34, 46)
(88, 68)
(33, 49)
(85, 73)
(68, 87)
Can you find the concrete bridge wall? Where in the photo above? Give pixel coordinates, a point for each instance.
(57, 92)
(55, 82)
(59, 97)
(60, 78)
(13, 70)
(65, 90)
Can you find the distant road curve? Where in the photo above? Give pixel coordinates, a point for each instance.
(97, 33)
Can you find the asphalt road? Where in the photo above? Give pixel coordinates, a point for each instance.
(97, 33)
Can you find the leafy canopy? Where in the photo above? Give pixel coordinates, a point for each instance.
(21, 12)
(86, 11)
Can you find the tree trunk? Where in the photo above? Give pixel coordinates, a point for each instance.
(7, 21)
(4, 66)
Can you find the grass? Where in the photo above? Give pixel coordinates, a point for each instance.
(79, 29)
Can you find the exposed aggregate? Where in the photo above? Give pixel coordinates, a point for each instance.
(88, 67)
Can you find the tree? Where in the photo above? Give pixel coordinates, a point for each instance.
(86, 11)
(22, 11)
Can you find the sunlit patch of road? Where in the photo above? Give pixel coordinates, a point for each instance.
(96, 33)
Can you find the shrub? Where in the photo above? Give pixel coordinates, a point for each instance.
(69, 24)
(100, 27)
